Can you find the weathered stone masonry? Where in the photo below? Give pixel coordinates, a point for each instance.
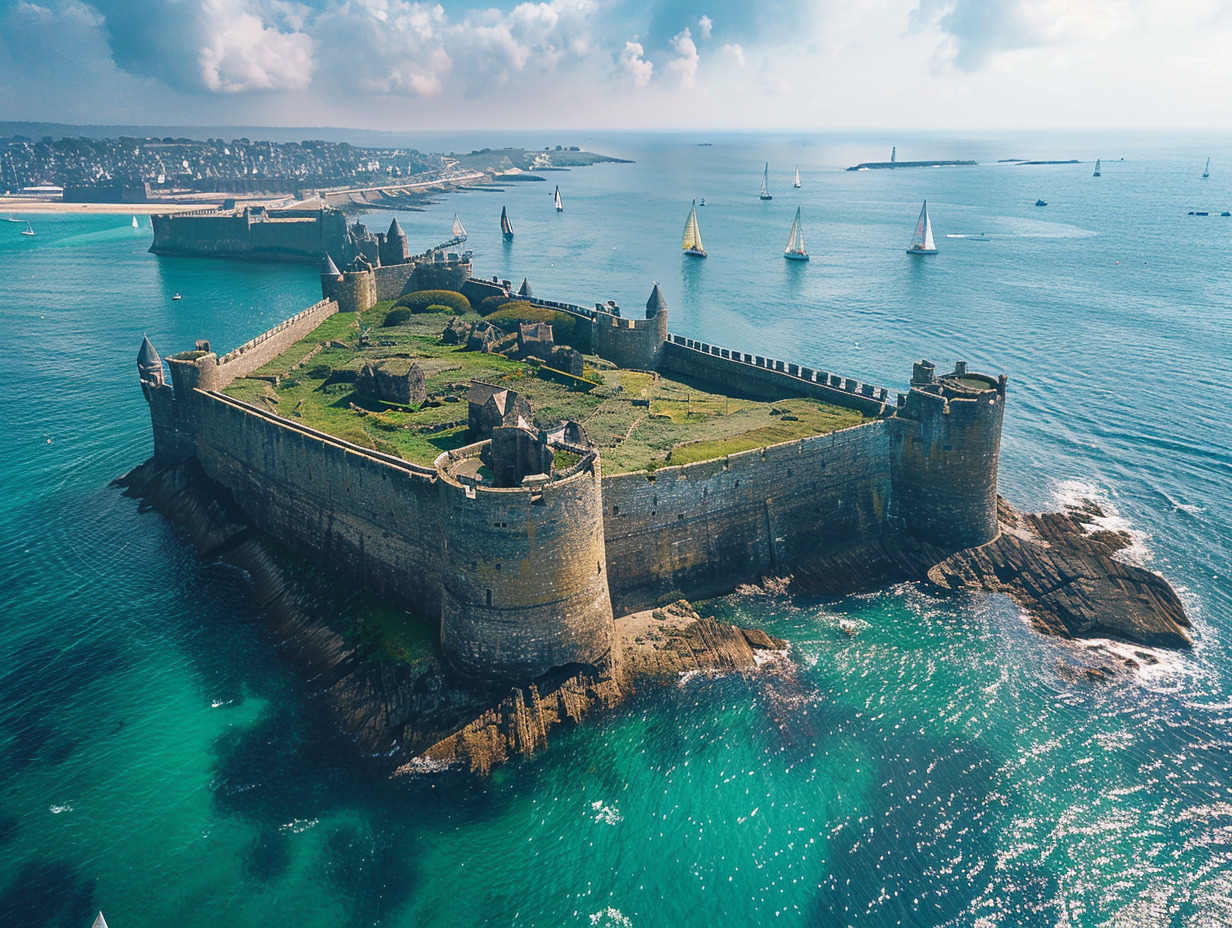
(523, 578)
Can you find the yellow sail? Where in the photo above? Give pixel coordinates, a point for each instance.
(692, 241)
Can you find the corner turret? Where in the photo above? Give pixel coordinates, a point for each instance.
(331, 278)
(393, 249)
(632, 343)
(945, 443)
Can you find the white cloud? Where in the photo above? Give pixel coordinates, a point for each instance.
(242, 52)
(704, 26)
(735, 51)
(634, 66)
(684, 65)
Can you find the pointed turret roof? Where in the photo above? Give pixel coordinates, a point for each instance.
(395, 229)
(328, 268)
(147, 357)
(524, 290)
(656, 304)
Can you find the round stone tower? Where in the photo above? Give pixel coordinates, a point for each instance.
(524, 572)
(945, 442)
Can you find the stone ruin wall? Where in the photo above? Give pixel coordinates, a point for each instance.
(704, 528)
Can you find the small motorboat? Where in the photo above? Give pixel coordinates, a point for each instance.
(176, 296)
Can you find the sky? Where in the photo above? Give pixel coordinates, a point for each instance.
(620, 64)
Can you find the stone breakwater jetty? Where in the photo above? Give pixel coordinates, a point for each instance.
(520, 518)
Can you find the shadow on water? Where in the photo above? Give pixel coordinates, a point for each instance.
(46, 894)
(50, 674)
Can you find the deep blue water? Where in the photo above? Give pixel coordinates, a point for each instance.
(161, 761)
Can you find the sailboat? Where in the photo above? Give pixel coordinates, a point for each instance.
(506, 227)
(796, 182)
(692, 243)
(135, 226)
(459, 230)
(560, 207)
(765, 179)
(28, 230)
(795, 242)
(1096, 174)
(1206, 171)
(922, 242)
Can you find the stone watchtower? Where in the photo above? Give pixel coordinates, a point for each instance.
(632, 343)
(945, 443)
(353, 291)
(393, 248)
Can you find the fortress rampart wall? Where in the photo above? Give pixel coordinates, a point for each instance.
(738, 373)
(372, 516)
(702, 528)
(259, 351)
(391, 280)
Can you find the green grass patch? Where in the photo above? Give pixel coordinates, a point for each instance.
(637, 420)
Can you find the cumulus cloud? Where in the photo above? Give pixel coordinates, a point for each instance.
(704, 26)
(634, 65)
(384, 47)
(242, 52)
(684, 65)
(735, 51)
(977, 30)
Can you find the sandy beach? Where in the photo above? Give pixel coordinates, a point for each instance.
(29, 205)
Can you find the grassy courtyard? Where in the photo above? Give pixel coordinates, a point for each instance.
(638, 420)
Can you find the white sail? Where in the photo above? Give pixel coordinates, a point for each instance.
(559, 206)
(795, 241)
(796, 183)
(1096, 174)
(459, 231)
(765, 182)
(692, 241)
(134, 222)
(1206, 171)
(922, 241)
(506, 225)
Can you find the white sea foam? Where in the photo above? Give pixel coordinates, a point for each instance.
(1069, 494)
(611, 917)
(607, 815)
(56, 810)
(299, 825)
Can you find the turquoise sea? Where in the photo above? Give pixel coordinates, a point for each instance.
(161, 761)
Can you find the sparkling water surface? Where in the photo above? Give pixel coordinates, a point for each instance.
(918, 761)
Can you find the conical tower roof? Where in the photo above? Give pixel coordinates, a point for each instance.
(147, 357)
(524, 290)
(328, 268)
(395, 230)
(656, 304)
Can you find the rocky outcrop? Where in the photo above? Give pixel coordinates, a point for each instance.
(1062, 568)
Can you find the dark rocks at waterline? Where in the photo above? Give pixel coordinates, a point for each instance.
(1062, 568)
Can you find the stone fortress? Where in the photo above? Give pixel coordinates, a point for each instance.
(526, 571)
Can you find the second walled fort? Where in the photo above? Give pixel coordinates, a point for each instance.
(527, 574)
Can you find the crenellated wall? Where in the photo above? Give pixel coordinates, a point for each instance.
(703, 528)
(739, 373)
